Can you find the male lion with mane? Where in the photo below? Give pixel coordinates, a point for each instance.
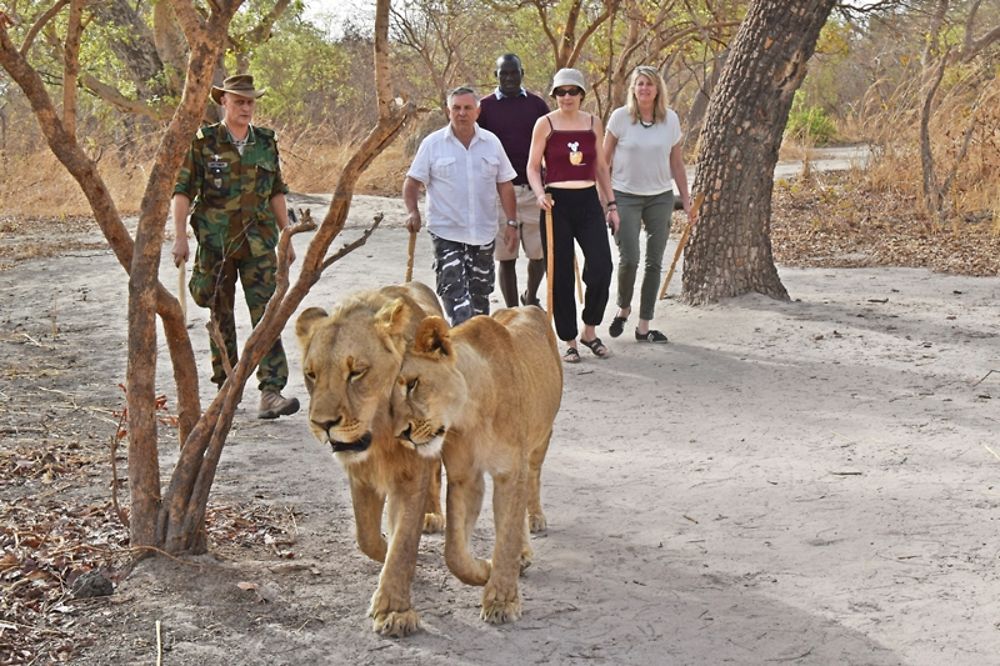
(351, 359)
(484, 396)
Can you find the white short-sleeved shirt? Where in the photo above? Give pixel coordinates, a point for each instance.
(462, 184)
(641, 162)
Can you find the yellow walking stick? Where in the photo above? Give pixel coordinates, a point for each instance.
(579, 284)
(409, 256)
(551, 261)
(682, 242)
(182, 290)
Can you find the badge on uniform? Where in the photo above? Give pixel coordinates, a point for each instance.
(215, 167)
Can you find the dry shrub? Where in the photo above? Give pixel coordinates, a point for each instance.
(844, 219)
(974, 194)
(312, 161)
(36, 185)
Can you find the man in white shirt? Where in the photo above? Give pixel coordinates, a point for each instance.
(464, 169)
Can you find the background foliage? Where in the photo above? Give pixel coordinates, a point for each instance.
(867, 83)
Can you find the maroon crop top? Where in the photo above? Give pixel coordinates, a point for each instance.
(571, 154)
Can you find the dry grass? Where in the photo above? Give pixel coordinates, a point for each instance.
(860, 218)
(870, 217)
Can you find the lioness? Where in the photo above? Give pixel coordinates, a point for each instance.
(484, 396)
(351, 359)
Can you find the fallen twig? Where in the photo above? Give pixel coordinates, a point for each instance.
(984, 377)
(159, 645)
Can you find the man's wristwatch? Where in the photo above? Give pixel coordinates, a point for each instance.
(512, 223)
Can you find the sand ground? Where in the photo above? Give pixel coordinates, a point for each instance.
(808, 482)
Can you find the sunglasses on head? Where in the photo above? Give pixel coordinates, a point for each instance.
(574, 91)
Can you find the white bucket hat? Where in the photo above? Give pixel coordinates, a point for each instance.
(568, 77)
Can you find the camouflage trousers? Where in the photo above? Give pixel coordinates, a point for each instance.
(465, 275)
(213, 286)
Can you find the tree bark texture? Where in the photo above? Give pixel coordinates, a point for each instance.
(135, 47)
(730, 249)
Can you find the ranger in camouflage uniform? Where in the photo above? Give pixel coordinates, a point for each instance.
(233, 176)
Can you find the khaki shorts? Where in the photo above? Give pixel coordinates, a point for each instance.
(528, 214)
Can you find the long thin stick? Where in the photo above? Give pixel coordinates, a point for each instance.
(182, 290)
(550, 264)
(409, 256)
(579, 284)
(159, 645)
(695, 207)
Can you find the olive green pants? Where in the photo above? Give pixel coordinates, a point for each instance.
(213, 286)
(634, 212)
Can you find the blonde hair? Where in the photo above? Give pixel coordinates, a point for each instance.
(659, 104)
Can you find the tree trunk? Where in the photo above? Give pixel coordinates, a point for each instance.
(135, 46)
(730, 249)
(696, 116)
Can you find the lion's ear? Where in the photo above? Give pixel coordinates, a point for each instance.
(393, 318)
(306, 324)
(432, 338)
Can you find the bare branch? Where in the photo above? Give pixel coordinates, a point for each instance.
(353, 245)
(40, 23)
(71, 66)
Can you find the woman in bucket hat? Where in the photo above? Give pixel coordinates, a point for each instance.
(570, 143)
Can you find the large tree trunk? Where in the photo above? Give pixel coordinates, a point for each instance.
(135, 46)
(696, 115)
(730, 249)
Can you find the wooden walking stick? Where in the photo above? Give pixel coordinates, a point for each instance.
(182, 290)
(695, 207)
(579, 284)
(550, 260)
(409, 256)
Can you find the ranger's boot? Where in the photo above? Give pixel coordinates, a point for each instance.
(273, 405)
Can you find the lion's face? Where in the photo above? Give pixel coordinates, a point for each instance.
(430, 392)
(350, 359)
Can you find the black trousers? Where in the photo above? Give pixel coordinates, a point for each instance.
(577, 217)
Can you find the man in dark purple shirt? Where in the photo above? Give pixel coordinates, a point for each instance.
(510, 112)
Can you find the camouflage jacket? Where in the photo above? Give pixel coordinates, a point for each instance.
(230, 193)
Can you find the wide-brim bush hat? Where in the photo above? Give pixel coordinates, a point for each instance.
(241, 84)
(568, 77)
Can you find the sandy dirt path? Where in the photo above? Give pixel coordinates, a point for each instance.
(811, 482)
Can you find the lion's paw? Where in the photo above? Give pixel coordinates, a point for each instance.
(433, 523)
(396, 624)
(498, 607)
(527, 556)
(537, 522)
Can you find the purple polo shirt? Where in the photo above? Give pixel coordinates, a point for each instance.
(512, 119)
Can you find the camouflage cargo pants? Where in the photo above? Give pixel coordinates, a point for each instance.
(213, 286)
(465, 276)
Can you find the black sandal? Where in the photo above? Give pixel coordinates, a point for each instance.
(652, 335)
(617, 326)
(599, 348)
(571, 355)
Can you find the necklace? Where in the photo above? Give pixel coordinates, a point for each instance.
(645, 124)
